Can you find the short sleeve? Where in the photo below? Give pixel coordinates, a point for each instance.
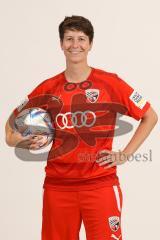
(134, 102)
(33, 99)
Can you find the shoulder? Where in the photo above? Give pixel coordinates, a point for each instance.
(111, 79)
(47, 85)
(110, 76)
(51, 80)
(104, 74)
(107, 77)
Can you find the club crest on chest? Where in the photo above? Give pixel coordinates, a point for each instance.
(92, 95)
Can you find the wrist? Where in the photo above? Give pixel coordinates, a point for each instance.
(127, 154)
(15, 139)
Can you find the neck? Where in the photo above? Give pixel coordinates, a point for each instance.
(77, 72)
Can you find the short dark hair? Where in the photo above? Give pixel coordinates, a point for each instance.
(78, 23)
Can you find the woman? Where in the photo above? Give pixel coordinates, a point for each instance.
(81, 181)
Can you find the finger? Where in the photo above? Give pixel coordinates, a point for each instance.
(39, 143)
(38, 137)
(103, 158)
(37, 140)
(42, 145)
(105, 151)
(26, 137)
(45, 143)
(110, 161)
(111, 165)
(106, 161)
(23, 146)
(23, 143)
(34, 147)
(34, 141)
(43, 140)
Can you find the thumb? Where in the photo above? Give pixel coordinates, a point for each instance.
(105, 151)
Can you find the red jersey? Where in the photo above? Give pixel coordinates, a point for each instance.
(84, 116)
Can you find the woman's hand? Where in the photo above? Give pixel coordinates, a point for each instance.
(32, 142)
(110, 159)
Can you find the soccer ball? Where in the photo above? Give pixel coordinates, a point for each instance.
(35, 121)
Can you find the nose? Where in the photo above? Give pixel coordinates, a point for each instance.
(75, 43)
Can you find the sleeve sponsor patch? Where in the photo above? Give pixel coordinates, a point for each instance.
(22, 104)
(137, 99)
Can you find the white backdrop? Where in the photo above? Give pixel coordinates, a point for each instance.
(127, 36)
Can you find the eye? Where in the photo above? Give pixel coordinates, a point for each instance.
(69, 39)
(82, 39)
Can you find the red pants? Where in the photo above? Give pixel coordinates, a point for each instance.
(100, 210)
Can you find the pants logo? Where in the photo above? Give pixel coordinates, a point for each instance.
(114, 223)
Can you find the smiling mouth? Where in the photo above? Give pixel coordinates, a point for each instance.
(75, 52)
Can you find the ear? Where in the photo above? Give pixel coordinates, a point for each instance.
(61, 44)
(91, 44)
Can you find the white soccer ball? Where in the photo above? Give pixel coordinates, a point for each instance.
(35, 121)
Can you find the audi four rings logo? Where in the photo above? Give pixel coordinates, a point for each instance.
(84, 116)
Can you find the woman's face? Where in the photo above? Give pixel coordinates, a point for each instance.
(76, 46)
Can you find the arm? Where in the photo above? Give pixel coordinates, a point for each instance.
(146, 125)
(12, 137)
(15, 139)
